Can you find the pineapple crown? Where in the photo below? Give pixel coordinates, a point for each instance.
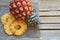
(33, 18)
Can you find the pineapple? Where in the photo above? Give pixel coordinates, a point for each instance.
(20, 9)
(33, 19)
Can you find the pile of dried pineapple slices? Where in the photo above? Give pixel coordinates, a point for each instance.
(13, 26)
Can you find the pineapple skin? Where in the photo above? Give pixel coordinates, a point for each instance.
(20, 9)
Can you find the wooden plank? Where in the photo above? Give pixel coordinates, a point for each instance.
(49, 14)
(4, 9)
(4, 2)
(49, 4)
(49, 34)
(50, 20)
(49, 26)
(21, 38)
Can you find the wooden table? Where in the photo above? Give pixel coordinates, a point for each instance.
(49, 27)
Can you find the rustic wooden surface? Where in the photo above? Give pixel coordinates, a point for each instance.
(49, 34)
(49, 27)
(49, 4)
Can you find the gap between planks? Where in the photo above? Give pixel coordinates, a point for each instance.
(50, 29)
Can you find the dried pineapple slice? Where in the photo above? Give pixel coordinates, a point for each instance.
(6, 20)
(18, 27)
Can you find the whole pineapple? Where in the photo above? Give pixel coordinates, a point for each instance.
(20, 9)
(33, 19)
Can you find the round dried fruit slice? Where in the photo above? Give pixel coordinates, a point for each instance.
(6, 20)
(18, 27)
(7, 29)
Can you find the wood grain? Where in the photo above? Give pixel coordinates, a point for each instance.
(4, 2)
(50, 20)
(49, 4)
(49, 26)
(49, 14)
(49, 34)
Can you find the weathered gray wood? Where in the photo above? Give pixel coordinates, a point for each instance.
(4, 2)
(17, 38)
(33, 33)
(11, 38)
(49, 4)
(49, 26)
(49, 19)
(51, 13)
(49, 34)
